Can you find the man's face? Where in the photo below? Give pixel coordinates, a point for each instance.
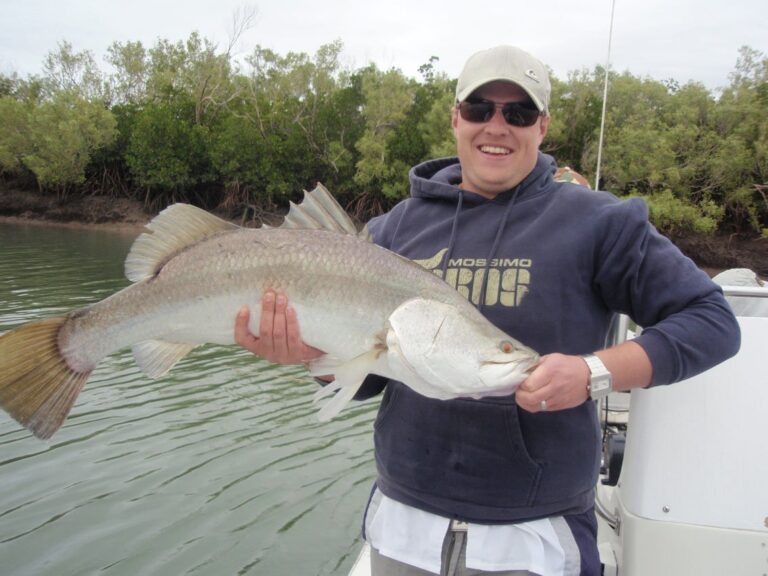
(494, 155)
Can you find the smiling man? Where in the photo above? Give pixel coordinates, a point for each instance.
(505, 485)
(496, 154)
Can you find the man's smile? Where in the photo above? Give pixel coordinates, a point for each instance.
(496, 150)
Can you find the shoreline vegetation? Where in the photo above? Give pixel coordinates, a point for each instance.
(712, 253)
(242, 136)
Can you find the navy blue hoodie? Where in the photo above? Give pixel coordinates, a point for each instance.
(548, 263)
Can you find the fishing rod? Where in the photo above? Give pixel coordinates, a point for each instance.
(605, 99)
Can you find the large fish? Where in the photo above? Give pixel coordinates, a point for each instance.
(371, 310)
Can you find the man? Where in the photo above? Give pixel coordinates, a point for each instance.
(505, 485)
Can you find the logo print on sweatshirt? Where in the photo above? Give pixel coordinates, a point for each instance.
(508, 278)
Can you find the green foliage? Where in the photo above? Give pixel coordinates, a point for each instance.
(673, 216)
(186, 121)
(435, 125)
(7, 84)
(664, 139)
(168, 151)
(73, 72)
(15, 137)
(237, 155)
(435, 100)
(340, 124)
(388, 97)
(63, 133)
(575, 119)
(128, 82)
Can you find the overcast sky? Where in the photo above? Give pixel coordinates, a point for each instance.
(684, 39)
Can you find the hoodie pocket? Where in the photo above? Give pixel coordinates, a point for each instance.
(464, 450)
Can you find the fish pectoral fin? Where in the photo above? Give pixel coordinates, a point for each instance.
(348, 376)
(156, 357)
(324, 365)
(346, 391)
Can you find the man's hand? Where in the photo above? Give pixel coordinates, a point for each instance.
(279, 339)
(558, 382)
(561, 381)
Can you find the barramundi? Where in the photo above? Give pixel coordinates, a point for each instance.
(370, 310)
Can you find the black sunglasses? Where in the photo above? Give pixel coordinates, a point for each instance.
(521, 114)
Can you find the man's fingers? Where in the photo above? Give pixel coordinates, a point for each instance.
(293, 333)
(536, 380)
(279, 338)
(558, 383)
(530, 401)
(267, 320)
(241, 325)
(534, 388)
(279, 328)
(243, 334)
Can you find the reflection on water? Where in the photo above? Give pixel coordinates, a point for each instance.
(218, 468)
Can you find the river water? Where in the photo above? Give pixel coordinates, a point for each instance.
(218, 468)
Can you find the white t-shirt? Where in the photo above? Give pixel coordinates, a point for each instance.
(415, 537)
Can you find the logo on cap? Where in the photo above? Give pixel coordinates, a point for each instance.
(532, 75)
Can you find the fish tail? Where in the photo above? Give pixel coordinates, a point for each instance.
(37, 386)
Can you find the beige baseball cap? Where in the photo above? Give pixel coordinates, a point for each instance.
(506, 63)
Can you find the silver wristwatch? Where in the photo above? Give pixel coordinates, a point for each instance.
(600, 380)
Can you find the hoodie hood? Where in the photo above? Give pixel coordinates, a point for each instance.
(440, 179)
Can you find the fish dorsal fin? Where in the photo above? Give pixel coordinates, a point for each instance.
(320, 211)
(175, 228)
(156, 357)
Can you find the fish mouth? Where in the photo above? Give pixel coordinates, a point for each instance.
(531, 365)
(528, 362)
(503, 377)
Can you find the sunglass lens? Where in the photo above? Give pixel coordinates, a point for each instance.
(515, 113)
(476, 110)
(519, 115)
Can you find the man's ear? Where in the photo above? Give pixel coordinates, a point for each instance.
(543, 127)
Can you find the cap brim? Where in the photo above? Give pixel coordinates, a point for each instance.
(472, 87)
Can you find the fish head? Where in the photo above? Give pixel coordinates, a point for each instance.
(503, 370)
(455, 351)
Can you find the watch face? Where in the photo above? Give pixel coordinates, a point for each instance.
(600, 384)
(600, 379)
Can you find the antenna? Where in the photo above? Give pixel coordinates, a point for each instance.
(605, 99)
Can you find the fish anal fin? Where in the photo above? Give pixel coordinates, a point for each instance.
(320, 211)
(156, 357)
(37, 386)
(175, 228)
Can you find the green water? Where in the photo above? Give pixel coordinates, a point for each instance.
(219, 468)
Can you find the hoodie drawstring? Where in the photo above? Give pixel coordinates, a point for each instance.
(495, 246)
(454, 229)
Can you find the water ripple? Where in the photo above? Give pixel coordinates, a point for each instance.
(221, 467)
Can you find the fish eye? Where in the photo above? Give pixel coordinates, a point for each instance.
(506, 346)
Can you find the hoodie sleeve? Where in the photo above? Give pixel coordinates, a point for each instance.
(688, 326)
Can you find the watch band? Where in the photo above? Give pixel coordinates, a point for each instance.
(600, 379)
